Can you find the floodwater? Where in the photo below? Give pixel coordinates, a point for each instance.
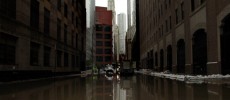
(138, 87)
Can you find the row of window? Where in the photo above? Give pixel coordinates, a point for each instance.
(106, 43)
(103, 28)
(35, 55)
(106, 51)
(103, 59)
(106, 36)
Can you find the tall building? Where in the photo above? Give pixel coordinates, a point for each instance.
(122, 32)
(130, 35)
(90, 34)
(186, 36)
(42, 36)
(104, 35)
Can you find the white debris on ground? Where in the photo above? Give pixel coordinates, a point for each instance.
(186, 78)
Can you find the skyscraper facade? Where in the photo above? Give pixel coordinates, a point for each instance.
(122, 32)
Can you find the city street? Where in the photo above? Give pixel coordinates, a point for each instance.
(138, 87)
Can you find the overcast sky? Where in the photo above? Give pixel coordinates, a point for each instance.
(120, 5)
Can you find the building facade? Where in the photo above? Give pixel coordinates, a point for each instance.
(104, 54)
(90, 34)
(42, 36)
(185, 36)
(121, 21)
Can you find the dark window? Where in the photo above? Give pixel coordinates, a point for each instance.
(99, 59)
(108, 59)
(7, 49)
(108, 29)
(192, 5)
(72, 17)
(170, 22)
(46, 21)
(108, 36)
(182, 10)
(76, 40)
(59, 58)
(65, 34)
(202, 1)
(34, 54)
(156, 59)
(58, 29)
(99, 51)
(72, 40)
(99, 43)
(76, 21)
(166, 25)
(177, 17)
(8, 8)
(66, 59)
(99, 27)
(34, 14)
(108, 43)
(99, 36)
(108, 51)
(73, 61)
(65, 10)
(47, 52)
(58, 4)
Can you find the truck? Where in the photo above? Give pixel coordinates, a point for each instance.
(127, 68)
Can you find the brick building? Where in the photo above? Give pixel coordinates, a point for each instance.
(42, 35)
(104, 35)
(185, 36)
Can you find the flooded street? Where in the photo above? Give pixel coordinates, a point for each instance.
(138, 87)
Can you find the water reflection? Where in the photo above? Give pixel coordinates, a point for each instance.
(138, 87)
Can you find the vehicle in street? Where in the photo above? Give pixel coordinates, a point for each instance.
(127, 68)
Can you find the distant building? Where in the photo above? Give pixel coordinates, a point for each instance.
(90, 33)
(189, 36)
(122, 32)
(42, 36)
(104, 54)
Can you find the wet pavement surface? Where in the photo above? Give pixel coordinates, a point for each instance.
(138, 87)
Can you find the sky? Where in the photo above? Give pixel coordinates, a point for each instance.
(120, 5)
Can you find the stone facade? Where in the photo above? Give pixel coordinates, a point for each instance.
(42, 35)
(186, 36)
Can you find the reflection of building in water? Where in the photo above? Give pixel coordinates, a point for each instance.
(152, 88)
(45, 90)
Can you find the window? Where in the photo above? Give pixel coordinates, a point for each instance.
(34, 54)
(99, 51)
(58, 30)
(108, 59)
(66, 59)
(34, 14)
(99, 27)
(99, 59)
(108, 36)
(99, 43)
(108, 51)
(108, 29)
(192, 5)
(65, 10)
(76, 40)
(182, 10)
(108, 43)
(73, 61)
(8, 8)
(47, 52)
(72, 17)
(65, 34)
(177, 16)
(166, 25)
(59, 58)
(58, 5)
(99, 36)
(72, 40)
(170, 22)
(7, 49)
(46, 21)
